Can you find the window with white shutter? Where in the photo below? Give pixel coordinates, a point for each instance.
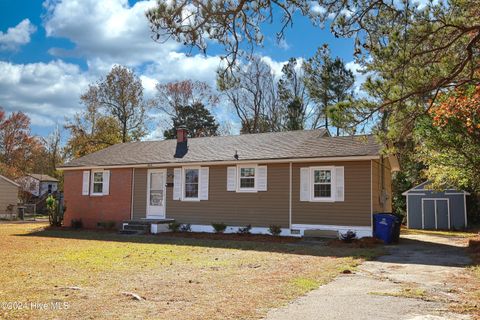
(231, 178)
(304, 184)
(204, 177)
(340, 183)
(177, 184)
(324, 183)
(262, 178)
(106, 182)
(86, 183)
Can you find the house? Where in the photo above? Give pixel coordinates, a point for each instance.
(432, 209)
(298, 180)
(8, 198)
(38, 184)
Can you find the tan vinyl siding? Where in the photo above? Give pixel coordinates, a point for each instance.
(354, 211)
(140, 194)
(232, 208)
(377, 187)
(260, 209)
(8, 195)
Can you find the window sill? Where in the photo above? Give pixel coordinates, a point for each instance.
(191, 199)
(322, 200)
(247, 190)
(96, 194)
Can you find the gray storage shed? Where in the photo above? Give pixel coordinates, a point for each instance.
(430, 209)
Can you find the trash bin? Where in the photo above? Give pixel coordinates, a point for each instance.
(384, 225)
(396, 229)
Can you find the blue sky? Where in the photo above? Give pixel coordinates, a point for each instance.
(51, 50)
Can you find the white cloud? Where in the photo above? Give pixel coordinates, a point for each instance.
(360, 77)
(108, 30)
(179, 66)
(47, 92)
(283, 44)
(276, 66)
(104, 33)
(17, 36)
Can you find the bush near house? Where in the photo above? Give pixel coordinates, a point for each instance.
(219, 227)
(174, 226)
(275, 230)
(186, 227)
(245, 230)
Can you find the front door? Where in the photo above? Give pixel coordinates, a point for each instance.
(156, 193)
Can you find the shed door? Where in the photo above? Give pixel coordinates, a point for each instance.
(442, 214)
(428, 213)
(435, 214)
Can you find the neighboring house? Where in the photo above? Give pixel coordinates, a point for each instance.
(298, 180)
(431, 209)
(8, 198)
(38, 184)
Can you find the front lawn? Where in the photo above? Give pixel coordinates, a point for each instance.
(94, 273)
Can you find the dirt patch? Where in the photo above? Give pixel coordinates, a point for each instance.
(230, 237)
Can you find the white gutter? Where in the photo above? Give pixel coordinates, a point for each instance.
(232, 162)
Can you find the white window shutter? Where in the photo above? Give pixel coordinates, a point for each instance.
(106, 182)
(261, 178)
(231, 178)
(339, 184)
(86, 183)
(203, 194)
(177, 184)
(304, 184)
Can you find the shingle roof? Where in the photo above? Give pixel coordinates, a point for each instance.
(42, 177)
(262, 146)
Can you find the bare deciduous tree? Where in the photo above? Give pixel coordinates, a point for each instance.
(252, 92)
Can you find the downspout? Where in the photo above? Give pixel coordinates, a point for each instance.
(133, 188)
(371, 195)
(290, 199)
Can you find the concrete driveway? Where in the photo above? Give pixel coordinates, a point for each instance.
(412, 282)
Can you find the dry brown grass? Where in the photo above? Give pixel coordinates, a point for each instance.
(177, 278)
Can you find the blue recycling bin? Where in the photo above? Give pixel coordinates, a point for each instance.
(384, 226)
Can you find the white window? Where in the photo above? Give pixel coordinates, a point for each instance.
(97, 182)
(100, 182)
(247, 178)
(322, 184)
(192, 183)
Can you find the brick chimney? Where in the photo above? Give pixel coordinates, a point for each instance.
(182, 134)
(182, 142)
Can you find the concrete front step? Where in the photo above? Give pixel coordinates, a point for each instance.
(149, 221)
(136, 227)
(131, 232)
(143, 226)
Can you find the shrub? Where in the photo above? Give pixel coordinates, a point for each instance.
(55, 211)
(348, 236)
(77, 224)
(275, 230)
(109, 225)
(245, 230)
(186, 227)
(174, 226)
(219, 227)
